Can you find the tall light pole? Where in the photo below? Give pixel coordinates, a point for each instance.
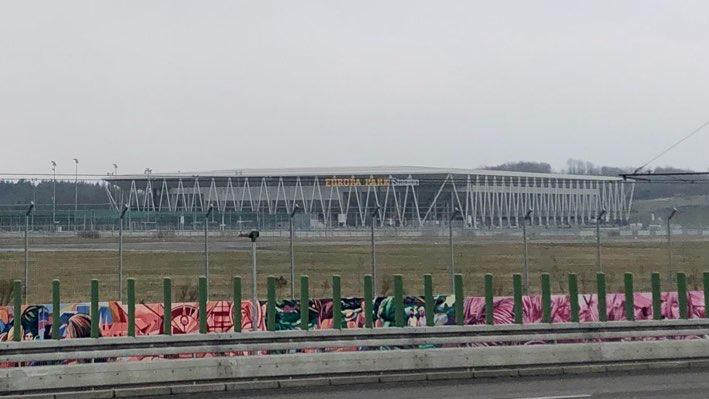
(206, 242)
(120, 251)
(27, 248)
(34, 200)
(527, 218)
(292, 252)
(76, 189)
(254, 298)
(54, 195)
(372, 249)
(451, 264)
(600, 216)
(669, 247)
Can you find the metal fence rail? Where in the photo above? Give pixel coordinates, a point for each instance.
(264, 342)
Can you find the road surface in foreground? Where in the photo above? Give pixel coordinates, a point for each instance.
(680, 383)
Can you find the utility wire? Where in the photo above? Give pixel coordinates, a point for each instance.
(695, 131)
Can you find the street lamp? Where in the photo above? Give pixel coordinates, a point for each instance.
(54, 195)
(254, 298)
(120, 251)
(206, 241)
(527, 218)
(76, 189)
(27, 251)
(669, 247)
(598, 239)
(292, 252)
(373, 251)
(451, 265)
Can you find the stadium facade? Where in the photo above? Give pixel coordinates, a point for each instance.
(396, 196)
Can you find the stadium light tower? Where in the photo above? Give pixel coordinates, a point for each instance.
(254, 298)
(372, 249)
(451, 264)
(669, 247)
(292, 252)
(527, 218)
(600, 216)
(54, 195)
(27, 246)
(120, 251)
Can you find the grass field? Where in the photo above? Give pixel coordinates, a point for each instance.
(75, 269)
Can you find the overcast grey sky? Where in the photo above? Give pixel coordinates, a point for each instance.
(198, 85)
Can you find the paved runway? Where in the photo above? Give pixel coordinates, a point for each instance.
(681, 383)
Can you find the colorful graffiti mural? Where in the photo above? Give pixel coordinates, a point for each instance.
(36, 320)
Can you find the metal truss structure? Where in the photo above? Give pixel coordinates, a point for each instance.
(394, 196)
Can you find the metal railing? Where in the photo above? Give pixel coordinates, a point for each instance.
(265, 342)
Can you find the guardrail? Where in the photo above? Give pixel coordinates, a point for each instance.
(241, 359)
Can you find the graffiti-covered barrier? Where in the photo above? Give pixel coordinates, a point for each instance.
(75, 320)
(457, 358)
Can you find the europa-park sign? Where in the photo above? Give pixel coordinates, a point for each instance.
(370, 181)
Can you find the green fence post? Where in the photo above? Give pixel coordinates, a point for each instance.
(682, 295)
(601, 289)
(56, 314)
(629, 299)
(546, 298)
(489, 319)
(428, 298)
(459, 299)
(517, 285)
(167, 306)
(399, 300)
(368, 302)
(202, 288)
(236, 285)
(94, 309)
(336, 302)
(131, 307)
(271, 304)
(17, 314)
(706, 294)
(574, 297)
(656, 297)
(304, 304)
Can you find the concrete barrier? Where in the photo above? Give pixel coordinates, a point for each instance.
(244, 368)
(384, 354)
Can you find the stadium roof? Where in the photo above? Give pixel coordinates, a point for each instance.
(352, 171)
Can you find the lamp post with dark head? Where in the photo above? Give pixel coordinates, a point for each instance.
(669, 247)
(292, 251)
(600, 216)
(451, 264)
(527, 218)
(27, 246)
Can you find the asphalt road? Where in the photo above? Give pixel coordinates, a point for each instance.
(646, 384)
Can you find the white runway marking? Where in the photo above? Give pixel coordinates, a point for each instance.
(560, 397)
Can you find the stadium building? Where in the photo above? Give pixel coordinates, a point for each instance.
(399, 196)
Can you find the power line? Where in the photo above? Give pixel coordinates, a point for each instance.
(695, 131)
